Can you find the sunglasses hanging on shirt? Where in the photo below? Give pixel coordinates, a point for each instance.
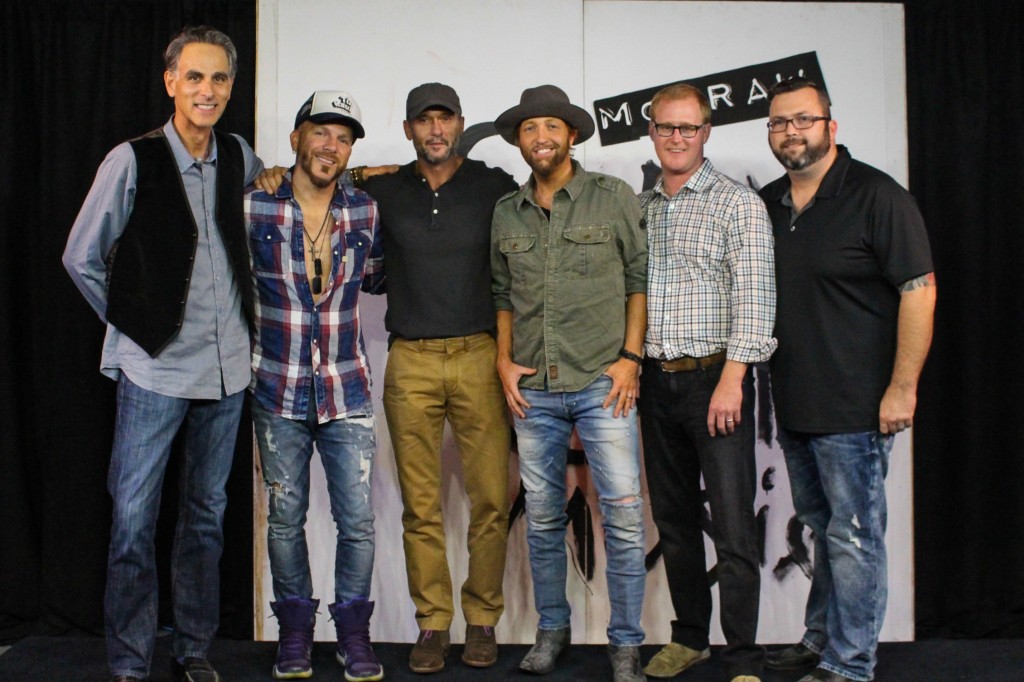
(317, 284)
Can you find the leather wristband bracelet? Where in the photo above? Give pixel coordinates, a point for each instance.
(631, 356)
(357, 175)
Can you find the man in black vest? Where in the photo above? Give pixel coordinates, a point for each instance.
(159, 251)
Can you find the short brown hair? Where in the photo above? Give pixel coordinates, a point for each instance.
(799, 83)
(677, 91)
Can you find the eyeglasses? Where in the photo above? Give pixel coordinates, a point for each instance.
(802, 122)
(686, 129)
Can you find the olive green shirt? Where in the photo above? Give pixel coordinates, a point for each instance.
(566, 278)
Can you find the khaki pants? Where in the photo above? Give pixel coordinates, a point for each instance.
(426, 382)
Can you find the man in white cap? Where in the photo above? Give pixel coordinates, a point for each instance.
(569, 266)
(313, 241)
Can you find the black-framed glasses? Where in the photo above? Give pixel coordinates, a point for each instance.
(686, 129)
(802, 122)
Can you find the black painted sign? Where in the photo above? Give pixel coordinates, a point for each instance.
(737, 95)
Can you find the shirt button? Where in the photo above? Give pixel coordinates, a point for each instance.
(435, 211)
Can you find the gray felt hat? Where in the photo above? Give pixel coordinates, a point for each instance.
(545, 100)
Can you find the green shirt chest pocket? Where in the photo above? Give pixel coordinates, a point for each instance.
(590, 251)
(522, 258)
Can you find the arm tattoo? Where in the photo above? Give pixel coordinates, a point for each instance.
(927, 280)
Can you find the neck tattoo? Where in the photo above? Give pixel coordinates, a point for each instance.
(318, 269)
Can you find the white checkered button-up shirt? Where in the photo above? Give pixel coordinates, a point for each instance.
(711, 271)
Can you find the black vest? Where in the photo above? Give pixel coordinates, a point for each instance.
(151, 265)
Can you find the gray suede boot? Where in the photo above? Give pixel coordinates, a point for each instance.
(549, 645)
(625, 662)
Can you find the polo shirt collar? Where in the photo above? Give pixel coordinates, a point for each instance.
(832, 183)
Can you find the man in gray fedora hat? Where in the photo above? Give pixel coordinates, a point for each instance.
(569, 268)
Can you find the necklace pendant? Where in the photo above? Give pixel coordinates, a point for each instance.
(318, 268)
(316, 285)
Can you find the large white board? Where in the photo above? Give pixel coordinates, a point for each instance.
(594, 50)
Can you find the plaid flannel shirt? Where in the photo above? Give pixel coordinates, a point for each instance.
(300, 345)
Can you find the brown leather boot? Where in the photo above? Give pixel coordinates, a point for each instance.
(429, 651)
(481, 648)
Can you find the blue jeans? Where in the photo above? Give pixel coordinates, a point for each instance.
(677, 451)
(145, 428)
(346, 448)
(838, 485)
(613, 451)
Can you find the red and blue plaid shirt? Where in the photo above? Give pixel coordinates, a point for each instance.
(300, 345)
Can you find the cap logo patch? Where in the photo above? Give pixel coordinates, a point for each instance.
(343, 103)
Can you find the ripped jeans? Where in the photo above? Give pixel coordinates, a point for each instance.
(838, 486)
(613, 452)
(346, 448)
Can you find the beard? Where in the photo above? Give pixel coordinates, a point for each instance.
(307, 163)
(545, 167)
(811, 154)
(437, 158)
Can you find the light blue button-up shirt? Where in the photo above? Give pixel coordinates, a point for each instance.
(209, 357)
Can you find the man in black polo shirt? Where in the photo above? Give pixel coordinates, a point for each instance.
(856, 297)
(436, 225)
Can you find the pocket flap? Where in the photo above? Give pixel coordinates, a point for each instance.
(265, 233)
(588, 234)
(517, 243)
(357, 240)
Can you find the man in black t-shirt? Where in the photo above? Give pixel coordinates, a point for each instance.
(856, 298)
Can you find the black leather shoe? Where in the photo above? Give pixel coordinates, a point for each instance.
(194, 670)
(822, 675)
(794, 657)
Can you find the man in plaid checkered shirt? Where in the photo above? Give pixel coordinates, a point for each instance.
(710, 310)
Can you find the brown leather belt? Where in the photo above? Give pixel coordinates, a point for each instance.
(688, 364)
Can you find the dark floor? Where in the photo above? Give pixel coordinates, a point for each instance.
(82, 659)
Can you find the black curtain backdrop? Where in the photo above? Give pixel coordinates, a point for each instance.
(965, 87)
(79, 77)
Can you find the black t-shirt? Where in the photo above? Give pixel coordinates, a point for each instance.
(838, 267)
(437, 249)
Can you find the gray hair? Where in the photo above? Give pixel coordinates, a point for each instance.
(200, 34)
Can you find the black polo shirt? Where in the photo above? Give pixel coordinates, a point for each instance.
(838, 267)
(437, 249)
